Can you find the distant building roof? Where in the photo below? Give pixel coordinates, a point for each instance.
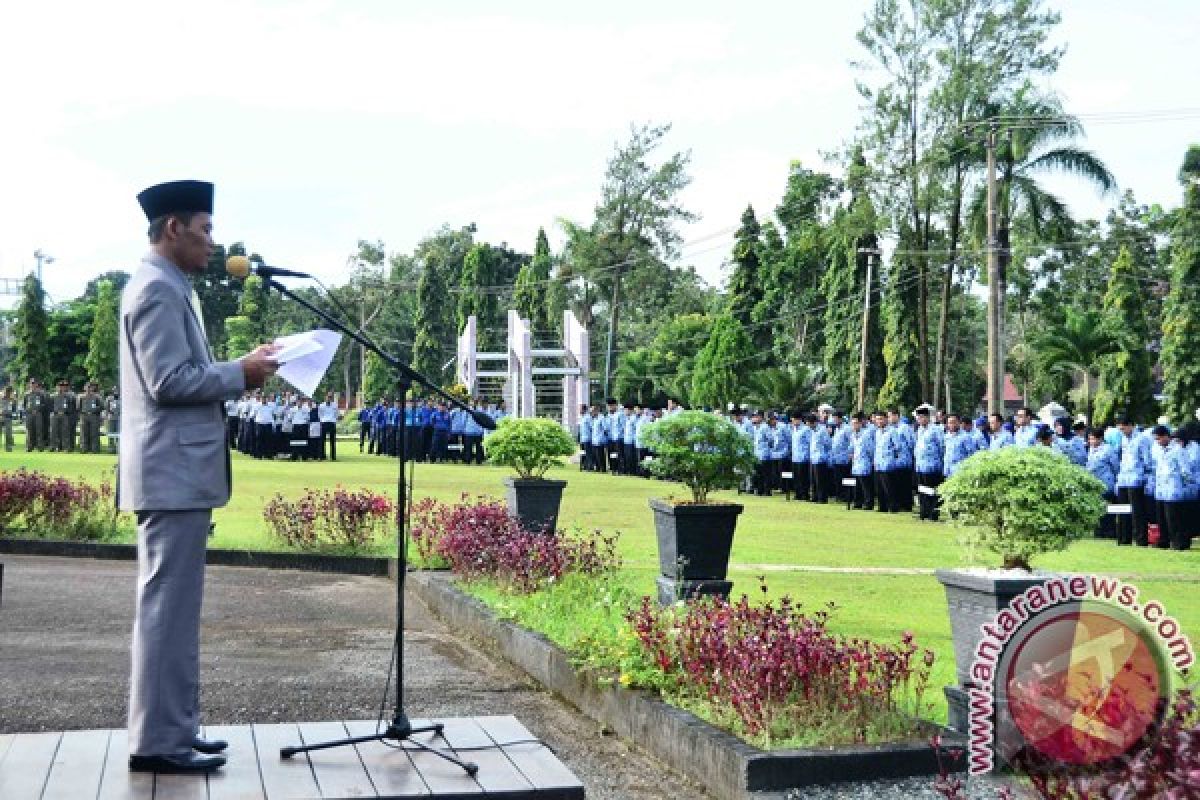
(1011, 395)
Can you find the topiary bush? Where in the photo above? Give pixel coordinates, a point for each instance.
(701, 450)
(1022, 502)
(529, 446)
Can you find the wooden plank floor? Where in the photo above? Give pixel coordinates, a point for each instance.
(94, 764)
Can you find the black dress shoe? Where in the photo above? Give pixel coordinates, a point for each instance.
(175, 764)
(209, 746)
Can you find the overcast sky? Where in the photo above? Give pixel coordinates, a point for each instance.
(325, 122)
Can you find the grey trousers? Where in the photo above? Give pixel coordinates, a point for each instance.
(165, 682)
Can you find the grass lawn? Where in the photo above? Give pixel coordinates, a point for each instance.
(775, 538)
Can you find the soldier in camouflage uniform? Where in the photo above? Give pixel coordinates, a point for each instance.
(112, 417)
(8, 412)
(37, 410)
(62, 415)
(91, 406)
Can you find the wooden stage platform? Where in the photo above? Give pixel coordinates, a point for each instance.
(95, 764)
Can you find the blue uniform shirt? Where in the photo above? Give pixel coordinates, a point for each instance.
(1025, 437)
(930, 450)
(843, 445)
(424, 416)
(1001, 440)
(886, 449)
(599, 430)
(364, 415)
(616, 426)
(585, 429)
(863, 458)
(470, 426)
(763, 439)
(820, 446)
(629, 427)
(640, 428)
(458, 421)
(1136, 461)
(957, 448)
(1193, 454)
(1172, 473)
(801, 442)
(1073, 448)
(903, 441)
(781, 443)
(1102, 462)
(441, 421)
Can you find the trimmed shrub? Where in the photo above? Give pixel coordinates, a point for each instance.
(49, 507)
(529, 446)
(701, 450)
(320, 519)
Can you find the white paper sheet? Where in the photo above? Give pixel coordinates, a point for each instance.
(304, 357)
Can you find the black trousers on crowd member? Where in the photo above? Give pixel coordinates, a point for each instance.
(473, 448)
(329, 437)
(1173, 529)
(425, 452)
(801, 480)
(864, 492)
(822, 477)
(844, 494)
(364, 434)
(887, 490)
(264, 440)
(615, 457)
(1106, 528)
(762, 479)
(599, 457)
(928, 503)
(231, 431)
(1131, 528)
(438, 446)
(630, 459)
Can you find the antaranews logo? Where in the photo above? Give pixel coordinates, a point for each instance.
(1075, 670)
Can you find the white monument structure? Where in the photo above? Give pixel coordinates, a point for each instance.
(534, 381)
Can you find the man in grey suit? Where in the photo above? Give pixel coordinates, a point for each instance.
(173, 469)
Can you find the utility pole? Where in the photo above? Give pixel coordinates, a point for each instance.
(41, 257)
(995, 307)
(871, 253)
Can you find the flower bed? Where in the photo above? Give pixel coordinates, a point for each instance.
(45, 506)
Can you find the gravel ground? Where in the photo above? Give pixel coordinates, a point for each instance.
(282, 646)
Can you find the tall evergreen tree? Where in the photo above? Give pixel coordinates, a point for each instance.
(101, 362)
(440, 258)
(32, 356)
(721, 365)
(1127, 376)
(246, 330)
(898, 312)
(1181, 314)
(476, 297)
(532, 287)
(746, 283)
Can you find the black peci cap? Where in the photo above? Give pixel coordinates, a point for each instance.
(176, 197)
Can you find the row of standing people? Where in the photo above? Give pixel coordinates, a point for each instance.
(62, 422)
(612, 441)
(435, 432)
(264, 426)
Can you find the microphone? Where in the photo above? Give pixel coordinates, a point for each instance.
(240, 266)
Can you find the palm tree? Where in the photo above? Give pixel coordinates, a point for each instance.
(797, 387)
(1075, 348)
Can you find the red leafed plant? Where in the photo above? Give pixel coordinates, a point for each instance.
(55, 507)
(781, 673)
(335, 519)
(479, 540)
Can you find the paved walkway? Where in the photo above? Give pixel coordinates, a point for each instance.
(278, 646)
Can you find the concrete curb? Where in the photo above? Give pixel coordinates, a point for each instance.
(311, 562)
(724, 764)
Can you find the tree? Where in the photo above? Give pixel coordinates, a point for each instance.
(32, 356)
(898, 313)
(69, 329)
(746, 283)
(532, 286)
(1127, 376)
(1074, 349)
(634, 228)
(718, 377)
(246, 330)
(440, 260)
(792, 388)
(101, 360)
(1181, 315)
(476, 298)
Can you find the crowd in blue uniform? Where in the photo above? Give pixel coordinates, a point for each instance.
(890, 463)
(435, 431)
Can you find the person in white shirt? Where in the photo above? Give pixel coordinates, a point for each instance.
(297, 437)
(264, 429)
(327, 414)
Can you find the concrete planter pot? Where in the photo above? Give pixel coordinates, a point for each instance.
(975, 597)
(694, 542)
(534, 501)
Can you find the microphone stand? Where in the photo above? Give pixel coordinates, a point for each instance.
(401, 728)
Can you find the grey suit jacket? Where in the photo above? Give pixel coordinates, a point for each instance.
(173, 453)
